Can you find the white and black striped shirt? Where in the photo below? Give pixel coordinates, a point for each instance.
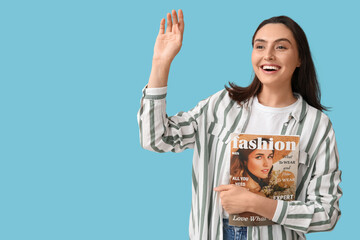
(207, 128)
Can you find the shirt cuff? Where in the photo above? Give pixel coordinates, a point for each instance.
(154, 93)
(280, 212)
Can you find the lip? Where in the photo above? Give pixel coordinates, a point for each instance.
(265, 170)
(269, 72)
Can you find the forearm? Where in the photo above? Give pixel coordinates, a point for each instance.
(263, 206)
(159, 73)
(304, 216)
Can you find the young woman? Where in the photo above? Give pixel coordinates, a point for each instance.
(283, 98)
(255, 165)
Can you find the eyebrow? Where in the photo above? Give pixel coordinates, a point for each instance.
(277, 40)
(262, 154)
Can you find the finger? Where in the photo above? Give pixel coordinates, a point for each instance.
(221, 195)
(223, 188)
(181, 21)
(175, 27)
(162, 26)
(174, 17)
(169, 23)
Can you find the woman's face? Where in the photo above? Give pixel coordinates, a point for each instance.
(260, 162)
(275, 55)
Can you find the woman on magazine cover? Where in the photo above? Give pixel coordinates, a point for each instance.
(283, 99)
(253, 164)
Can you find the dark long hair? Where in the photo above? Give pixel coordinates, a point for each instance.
(304, 80)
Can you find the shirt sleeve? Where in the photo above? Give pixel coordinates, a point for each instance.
(161, 133)
(320, 211)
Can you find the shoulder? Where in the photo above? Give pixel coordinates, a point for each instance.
(219, 95)
(217, 105)
(318, 122)
(222, 109)
(320, 116)
(221, 99)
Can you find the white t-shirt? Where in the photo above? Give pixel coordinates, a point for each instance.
(267, 121)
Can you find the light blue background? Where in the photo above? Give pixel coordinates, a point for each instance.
(71, 75)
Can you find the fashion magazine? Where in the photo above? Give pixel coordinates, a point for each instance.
(266, 165)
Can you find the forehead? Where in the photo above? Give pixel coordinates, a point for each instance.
(261, 151)
(274, 31)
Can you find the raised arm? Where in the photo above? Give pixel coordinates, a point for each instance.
(168, 44)
(158, 132)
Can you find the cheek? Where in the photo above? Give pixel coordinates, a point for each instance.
(253, 164)
(292, 61)
(254, 60)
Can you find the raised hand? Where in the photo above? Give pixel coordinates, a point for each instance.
(169, 42)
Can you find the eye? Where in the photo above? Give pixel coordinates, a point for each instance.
(270, 156)
(281, 47)
(258, 157)
(259, 47)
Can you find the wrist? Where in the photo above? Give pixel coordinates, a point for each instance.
(161, 62)
(159, 74)
(252, 202)
(263, 206)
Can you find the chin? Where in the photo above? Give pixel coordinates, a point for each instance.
(272, 81)
(263, 176)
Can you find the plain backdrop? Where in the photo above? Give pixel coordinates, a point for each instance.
(71, 76)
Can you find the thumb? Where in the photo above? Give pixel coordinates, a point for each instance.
(223, 188)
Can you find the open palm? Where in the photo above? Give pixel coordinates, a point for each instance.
(168, 43)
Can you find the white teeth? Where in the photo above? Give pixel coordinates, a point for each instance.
(270, 67)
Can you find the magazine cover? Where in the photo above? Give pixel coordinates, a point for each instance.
(266, 165)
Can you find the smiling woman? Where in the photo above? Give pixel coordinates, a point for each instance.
(283, 99)
(275, 57)
(253, 164)
(281, 52)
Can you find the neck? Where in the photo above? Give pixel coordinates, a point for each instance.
(255, 179)
(252, 185)
(276, 96)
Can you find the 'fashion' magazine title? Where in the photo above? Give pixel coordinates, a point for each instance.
(259, 143)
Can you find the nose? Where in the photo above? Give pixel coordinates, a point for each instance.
(267, 162)
(269, 55)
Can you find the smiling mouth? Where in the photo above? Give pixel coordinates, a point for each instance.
(270, 68)
(265, 170)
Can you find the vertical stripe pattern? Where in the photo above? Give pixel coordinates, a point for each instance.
(207, 127)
